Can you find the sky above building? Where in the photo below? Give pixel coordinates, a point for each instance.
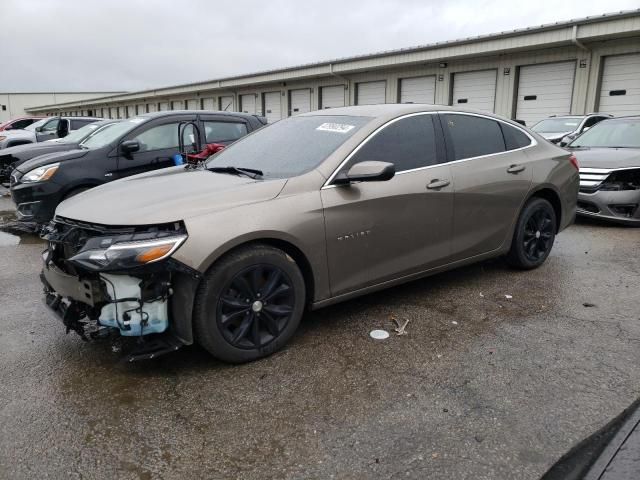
(105, 45)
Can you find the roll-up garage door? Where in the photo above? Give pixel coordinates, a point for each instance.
(476, 90)
(152, 107)
(208, 104)
(141, 108)
(192, 104)
(226, 103)
(177, 105)
(544, 90)
(332, 97)
(164, 106)
(248, 103)
(371, 93)
(272, 109)
(418, 90)
(620, 92)
(299, 101)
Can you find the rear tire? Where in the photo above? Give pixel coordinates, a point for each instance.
(249, 304)
(534, 235)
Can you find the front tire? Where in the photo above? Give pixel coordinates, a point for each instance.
(249, 304)
(534, 235)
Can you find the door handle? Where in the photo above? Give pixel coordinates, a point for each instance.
(437, 184)
(516, 168)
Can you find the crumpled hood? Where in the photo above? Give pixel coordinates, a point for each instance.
(48, 158)
(607, 157)
(166, 195)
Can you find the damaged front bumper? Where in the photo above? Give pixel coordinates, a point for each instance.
(96, 296)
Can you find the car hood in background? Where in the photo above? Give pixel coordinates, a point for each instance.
(607, 157)
(554, 135)
(17, 134)
(47, 158)
(31, 150)
(166, 196)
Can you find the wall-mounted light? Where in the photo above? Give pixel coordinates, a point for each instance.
(440, 78)
(442, 64)
(507, 71)
(583, 63)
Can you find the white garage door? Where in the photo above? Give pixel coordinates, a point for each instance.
(620, 93)
(141, 108)
(418, 90)
(192, 104)
(272, 109)
(371, 93)
(300, 101)
(475, 90)
(248, 103)
(208, 104)
(544, 90)
(332, 97)
(152, 107)
(164, 106)
(227, 104)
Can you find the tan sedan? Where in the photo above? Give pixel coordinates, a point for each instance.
(309, 211)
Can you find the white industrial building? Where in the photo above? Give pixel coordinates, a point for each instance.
(574, 67)
(16, 104)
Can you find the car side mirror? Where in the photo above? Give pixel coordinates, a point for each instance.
(130, 146)
(39, 129)
(367, 172)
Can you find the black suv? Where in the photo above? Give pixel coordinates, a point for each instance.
(140, 144)
(13, 157)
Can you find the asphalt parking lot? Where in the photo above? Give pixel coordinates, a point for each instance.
(481, 387)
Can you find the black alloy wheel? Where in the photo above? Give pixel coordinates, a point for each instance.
(249, 303)
(534, 234)
(255, 306)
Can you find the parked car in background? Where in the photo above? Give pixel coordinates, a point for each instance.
(555, 129)
(609, 159)
(18, 123)
(13, 157)
(42, 130)
(136, 145)
(312, 210)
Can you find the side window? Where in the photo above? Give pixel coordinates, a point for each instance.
(514, 138)
(224, 131)
(20, 124)
(472, 136)
(51, 126)
(76, 124)
(407, 143)
(159, 137)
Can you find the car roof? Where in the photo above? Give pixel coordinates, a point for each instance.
(168, 113)
(82, 118)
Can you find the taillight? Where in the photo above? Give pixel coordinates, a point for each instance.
(574, 161)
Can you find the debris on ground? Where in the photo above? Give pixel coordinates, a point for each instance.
(379, 334)
(481, 295)
(588, 305)
(454, 322)
(400, 328)
(508, 297)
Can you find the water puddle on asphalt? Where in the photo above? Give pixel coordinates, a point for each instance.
(7, 239)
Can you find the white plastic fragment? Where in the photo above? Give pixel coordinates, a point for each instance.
(400, 328)
(508, 297)
(454, 322)
(481, 295)
(379, 334)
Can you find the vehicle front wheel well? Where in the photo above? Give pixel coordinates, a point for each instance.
(553, 198)
(294, 252)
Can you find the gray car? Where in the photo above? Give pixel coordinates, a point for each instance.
(310, 211)
(46, 129)
(559, 129)
(609, 159)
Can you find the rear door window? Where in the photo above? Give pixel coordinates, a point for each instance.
(159, 137)
(470, 136)
(408, 143)
(20, 124)
(217, 131)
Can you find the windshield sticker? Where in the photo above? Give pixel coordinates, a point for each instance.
(335, 127)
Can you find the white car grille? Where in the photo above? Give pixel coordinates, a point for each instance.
(591, 178)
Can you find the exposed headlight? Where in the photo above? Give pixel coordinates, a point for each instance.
(40, 174)
(127, 255)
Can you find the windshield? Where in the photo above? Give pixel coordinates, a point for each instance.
(34, 125)
(79, 135)
(611, 133)
(557, 125)
(289, 147)
(108, 135)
